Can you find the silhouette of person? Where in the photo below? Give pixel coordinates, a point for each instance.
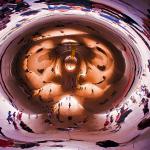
(2, 132)
(9, 118)
(69, 105)
(144, 124)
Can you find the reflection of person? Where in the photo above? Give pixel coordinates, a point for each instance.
(69, 105)
(149, 65)
(92, 91)
(133, 99)
(25, 127)
(14, 116)
(146, 109)
(9, 118)
(117, 117)
(111, 119)
(15, 125)
(19, 116)
(144, 102)
(2, 132)
(107, 143)
(106, 123)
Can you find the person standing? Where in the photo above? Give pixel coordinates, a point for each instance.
(146, 109)
(9, 118)
(144, 102)
(92, 91)
(14, 116)
(148, 65)
(111, 119)
(2, 132)
(19, 116)
(15, 125)
(106, 123)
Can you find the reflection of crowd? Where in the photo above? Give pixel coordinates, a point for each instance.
(16, 121)
(114, 120)
(144, 95)
(144, 102)
(7, 7)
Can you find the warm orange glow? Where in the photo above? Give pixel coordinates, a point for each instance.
(70, 63)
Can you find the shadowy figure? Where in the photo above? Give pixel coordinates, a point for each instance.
(106, 124)
(15, 125)
(110, 143)
(25, 127)
(120, 118)
(111, 119)
(14, 116)
(107, 143)
(144, 102)
(145, 123)
(2, 133)
(19, 116)
(26, 145)
(9, 118)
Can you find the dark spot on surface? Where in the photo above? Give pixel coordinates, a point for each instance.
(36, 34)
(63, 129)
(90, 28)
(60, 25)
(40, 98)
(114, 93)
(145, 123)
(101, 80)
(40, 70)
(31, 12)
(26, 70)
(107, 143)
(27, 56)
(29, 97)
(58, 141)
(76, 140)
(69, 118)
(21, 41)
(39, 50)
(52, 69)
(56, 146)
(104, 102)
(102, 68)
(101, 50)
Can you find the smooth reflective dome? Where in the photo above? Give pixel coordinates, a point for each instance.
(50, 68)
(74, 75)
(70, 63)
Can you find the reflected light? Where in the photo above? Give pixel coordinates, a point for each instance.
(70, 63)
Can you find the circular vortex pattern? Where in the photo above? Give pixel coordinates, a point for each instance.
(82, 68)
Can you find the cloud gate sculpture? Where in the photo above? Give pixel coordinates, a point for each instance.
(74, 74)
